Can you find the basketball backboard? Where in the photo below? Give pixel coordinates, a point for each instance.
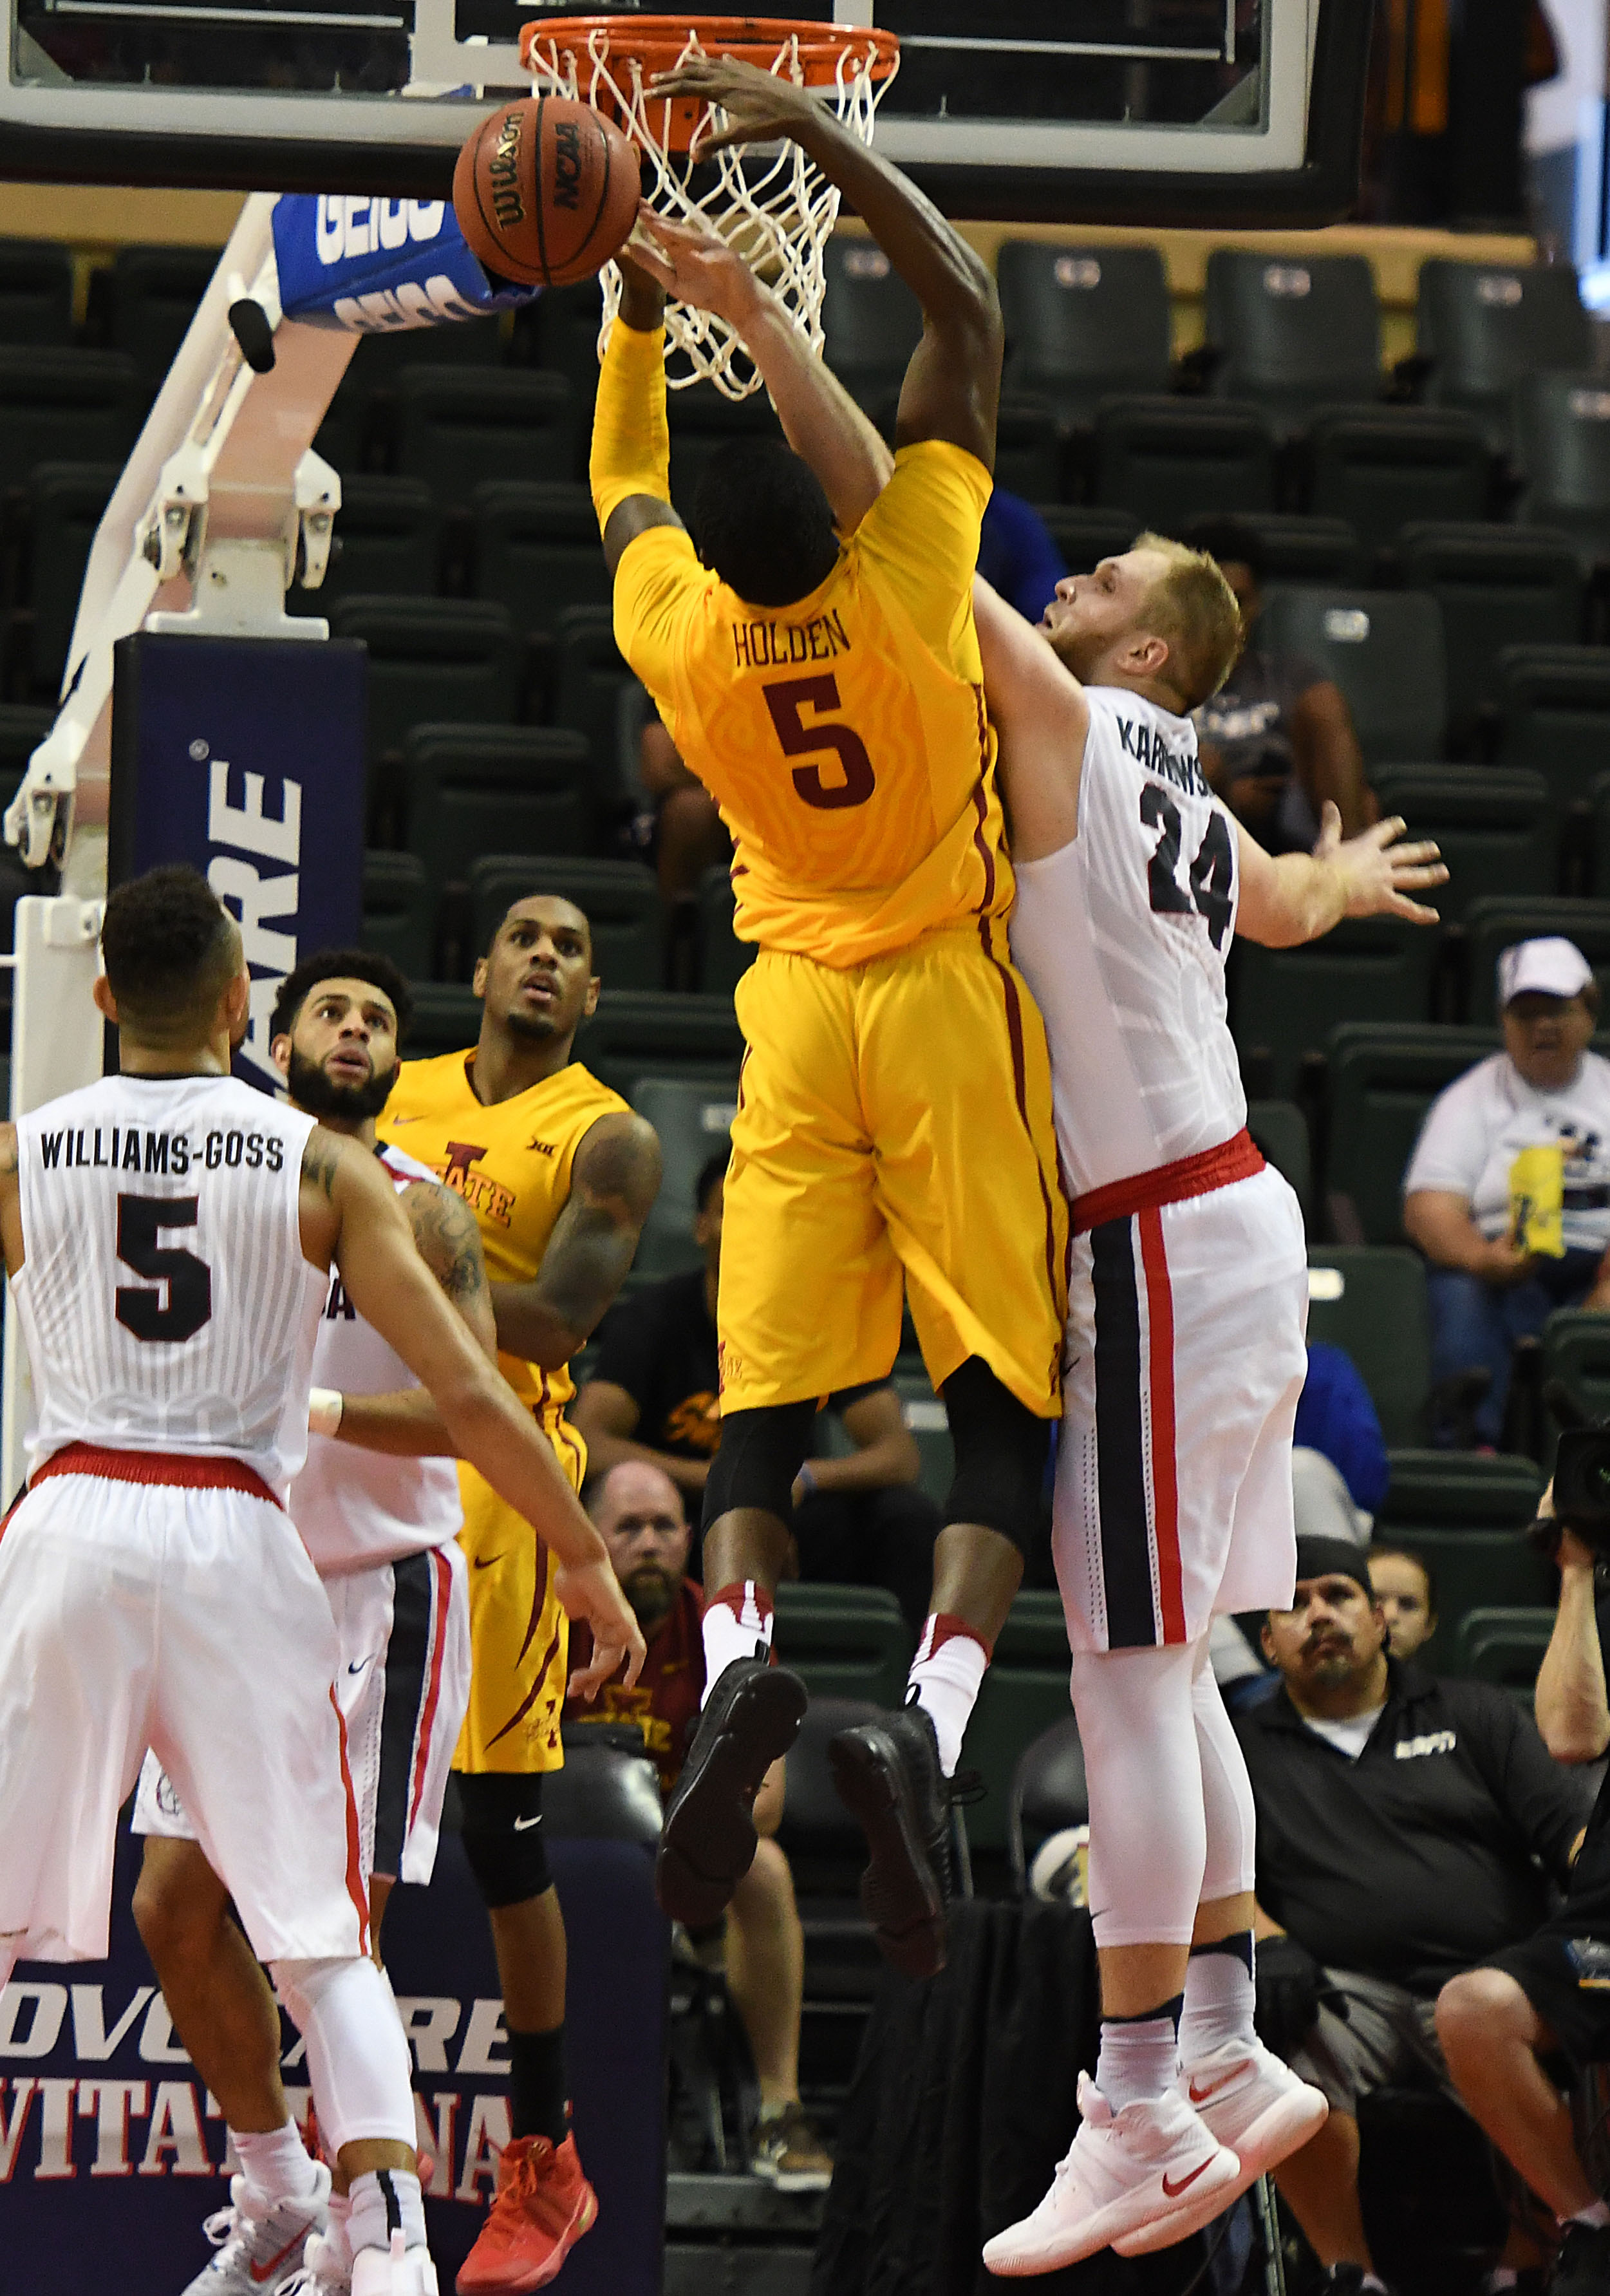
(1189, 111)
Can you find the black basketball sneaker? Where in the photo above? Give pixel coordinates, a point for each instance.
(887, 1774)
(708, 1843)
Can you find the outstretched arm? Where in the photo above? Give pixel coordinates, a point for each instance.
(1292, 898)
(407, 1424)
(1041, 718)
(631, 462)
(952, 386)
(613, 1181)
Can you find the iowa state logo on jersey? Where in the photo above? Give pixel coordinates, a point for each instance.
(479, 1191)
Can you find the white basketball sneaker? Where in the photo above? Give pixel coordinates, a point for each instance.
(394, 2271)
(1253, 2103)
(259, 2254)
(1123, 2172)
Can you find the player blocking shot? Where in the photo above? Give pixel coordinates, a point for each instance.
(819, 671)
(382, 1526)
(168, 1234)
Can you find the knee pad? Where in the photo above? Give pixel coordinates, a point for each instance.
(1000, 1453)
(760, 1454)
(503, 1830)
(358, 2058)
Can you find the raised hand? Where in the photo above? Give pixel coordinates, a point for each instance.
(696, 267)
(592, 1591)
(760, 105)
(1381, 874)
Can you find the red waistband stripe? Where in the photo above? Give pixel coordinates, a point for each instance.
(1236, 1159)
(180, 1469)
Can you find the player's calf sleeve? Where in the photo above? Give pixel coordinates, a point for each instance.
(1000, 1452)
(1149, 1836)
(357, 2059)
(1227, 1800)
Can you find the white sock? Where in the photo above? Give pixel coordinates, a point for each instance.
(338, 2230)
(945, 1674)
(1140, 2056)
(1596, 2214)
(275, 2164)
(379, 2201)
(738, 1624)
(1220, 1997)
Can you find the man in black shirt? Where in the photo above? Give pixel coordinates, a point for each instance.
(1551, 1992)
(655, 1395)
(1402, 1820)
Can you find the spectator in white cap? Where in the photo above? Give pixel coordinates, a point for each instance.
(1508, 1193)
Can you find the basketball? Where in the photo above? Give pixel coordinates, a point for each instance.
(546, 190)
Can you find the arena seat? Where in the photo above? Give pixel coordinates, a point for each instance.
(590, 675)
(1495, 924)
(1285, 1002)
(1380, 1080)
(1371, 1301)
(722, 958)
(457, 427)
(1381, 467)
(1048, 1793)
(1029, 448)
(1460, 1492)
(1083, 323)
(1497, 586)
(431, 659)
(621, 899)
(1280, 1130)
(468, 788)
(538, 551)
(36, 293)
(389, 536)
(1554, 713)
(399, 912)
(1024, 1693)
(826, 1851)
(1484, 327)
(1305, 548)
(22, 728)
(143, 302)
(1384, 648)
(928, 1426)
(1497, 829)
(1086, 536)
(446, 1019)
(645, 1032)
(871, 320)
(1601, 835)
(1563, 439)
(1503, 1645)
(64, 406)
(65, 503)
(1167, 461)
(843, 1642)
(694, 1123)
(1293, 335)
(1576, 1351)
(559, 331)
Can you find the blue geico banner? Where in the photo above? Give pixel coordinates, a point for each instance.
(376, 265)
(245, 757)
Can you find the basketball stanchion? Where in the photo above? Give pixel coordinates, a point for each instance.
(770, 203)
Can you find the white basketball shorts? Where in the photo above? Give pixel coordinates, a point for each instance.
(1185, 1359)
(142, 1605)
(403, 1682)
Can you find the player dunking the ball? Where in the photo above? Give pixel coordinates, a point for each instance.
(894, 1118)
(168, 1234)
(560, 1175)
(382, 1526)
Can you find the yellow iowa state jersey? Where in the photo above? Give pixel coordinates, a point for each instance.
(843, 737)
(511, 1164)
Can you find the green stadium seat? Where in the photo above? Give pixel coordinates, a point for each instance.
(458, 427)
(1085, 537)
(559, 331)
(1576, 1351)
(1458, 1491)
(1293, 335)
(1285, 1002)
(1028, 449)
(1493, 926)
(537, 552)
(1384, 648)
(64, 406)
(694, 1123)
(846, 1641)
(1497, 586)
(722, 958)
(621, 900)
(1083, 323)
(1554, 710)
(641, 1032)
(1280, 1130)
(399, 912)
(431, 659)
(446, 1019)
(22, 728)
(1382, 467)
(1024, 1692)
(1484, 327)
(591, 678)
(1562, 444)
(1167, 461)
(1601, 836)
(36, 293)
(1496, 826)
(1306, 549)
(871, 319)
(66, 501)
(388, 544)
(1473, 1571)
(929, 1427)
(1370, 1300)
(470, 790)
(1380, 1081)
(142, 303)
(1504, 1644)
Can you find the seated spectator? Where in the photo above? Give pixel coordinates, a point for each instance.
(1405, 1826)
(1406, 1590)
(1339, 1466)
(688, 835)
(1507, 1192)
(639, 1514)
(1502, 2023)
(1017, 554)
(654, 1395)
(1277, 739)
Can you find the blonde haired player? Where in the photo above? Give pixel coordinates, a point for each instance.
(167, 1234)
(894, 1121)
(560, 1175)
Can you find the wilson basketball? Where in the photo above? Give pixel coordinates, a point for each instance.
(546, 190)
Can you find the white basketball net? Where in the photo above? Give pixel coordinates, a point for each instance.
(770, 204)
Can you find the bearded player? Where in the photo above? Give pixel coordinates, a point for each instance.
(382, 1533)
(894, 1122)
(560, 1175)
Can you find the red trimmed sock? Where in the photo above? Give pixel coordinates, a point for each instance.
(738, 1624)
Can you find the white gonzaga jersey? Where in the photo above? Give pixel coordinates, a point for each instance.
(165, 1300)
(1123, 936)
(357, 1509)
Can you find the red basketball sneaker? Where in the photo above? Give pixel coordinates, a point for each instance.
(543, 2205)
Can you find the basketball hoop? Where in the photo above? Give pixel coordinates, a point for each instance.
(769, 201)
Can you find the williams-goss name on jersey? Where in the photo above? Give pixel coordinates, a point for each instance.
(135, 1148)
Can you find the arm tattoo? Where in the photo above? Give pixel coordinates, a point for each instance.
(449, 1242)
(614, 1182)
(321, 1161)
